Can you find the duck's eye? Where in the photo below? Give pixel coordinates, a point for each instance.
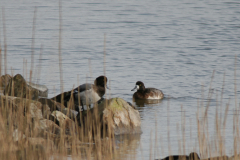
(139, 84)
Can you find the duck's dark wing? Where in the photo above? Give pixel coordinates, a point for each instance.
(66, 97)
(83, 87)
(147, 90)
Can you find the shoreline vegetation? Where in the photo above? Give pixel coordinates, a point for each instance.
(39, 128)
(33, 128)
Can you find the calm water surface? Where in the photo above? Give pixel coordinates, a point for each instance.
(174, 46)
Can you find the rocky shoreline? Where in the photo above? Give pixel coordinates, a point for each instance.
(42, 118)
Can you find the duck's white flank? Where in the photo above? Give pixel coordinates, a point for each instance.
(155, 97)
(157, 94)
(88, 97)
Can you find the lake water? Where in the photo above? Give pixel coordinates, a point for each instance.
(173, 45)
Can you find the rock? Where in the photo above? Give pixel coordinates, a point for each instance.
(35, 110)
(46, 111)
(64, 122)
(51, 104)
(120, 116)
(48, 106)
(18, 105)
(56, 106)
(18, 87)
(33, 107)
(20, 110)
(7, 105)
(42, 89)
(72, 114)
(4, 80)
(45, 125)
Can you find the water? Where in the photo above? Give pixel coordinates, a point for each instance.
(174, 46)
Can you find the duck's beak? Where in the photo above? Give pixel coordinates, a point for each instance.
(134, 88)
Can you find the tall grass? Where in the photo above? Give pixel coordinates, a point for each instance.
(212, 146)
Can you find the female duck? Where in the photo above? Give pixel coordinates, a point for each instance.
(146, 93)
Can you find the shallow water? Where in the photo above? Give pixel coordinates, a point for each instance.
(174, 46)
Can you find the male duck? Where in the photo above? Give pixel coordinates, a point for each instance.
(85, 94)
(91, 93)
(146, 93)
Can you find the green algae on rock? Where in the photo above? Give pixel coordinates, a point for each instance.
(120, 116)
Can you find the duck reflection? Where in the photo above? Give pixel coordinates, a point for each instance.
(143, 102)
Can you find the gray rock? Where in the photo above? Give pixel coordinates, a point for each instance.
(64, 122)
(42, 89)
(19, 87)
(72, 114)
(46, 112)
(45, 125)
(50, 104)
(35, 110)
(33, 107)
(53, 105)
(21, 105)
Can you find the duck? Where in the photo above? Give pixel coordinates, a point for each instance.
(146, 93)
(192, 156)
(85, 94)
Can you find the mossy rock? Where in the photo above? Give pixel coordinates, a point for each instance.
(118, 115)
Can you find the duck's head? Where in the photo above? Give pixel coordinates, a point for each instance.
(101, 81)
(139, 86)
